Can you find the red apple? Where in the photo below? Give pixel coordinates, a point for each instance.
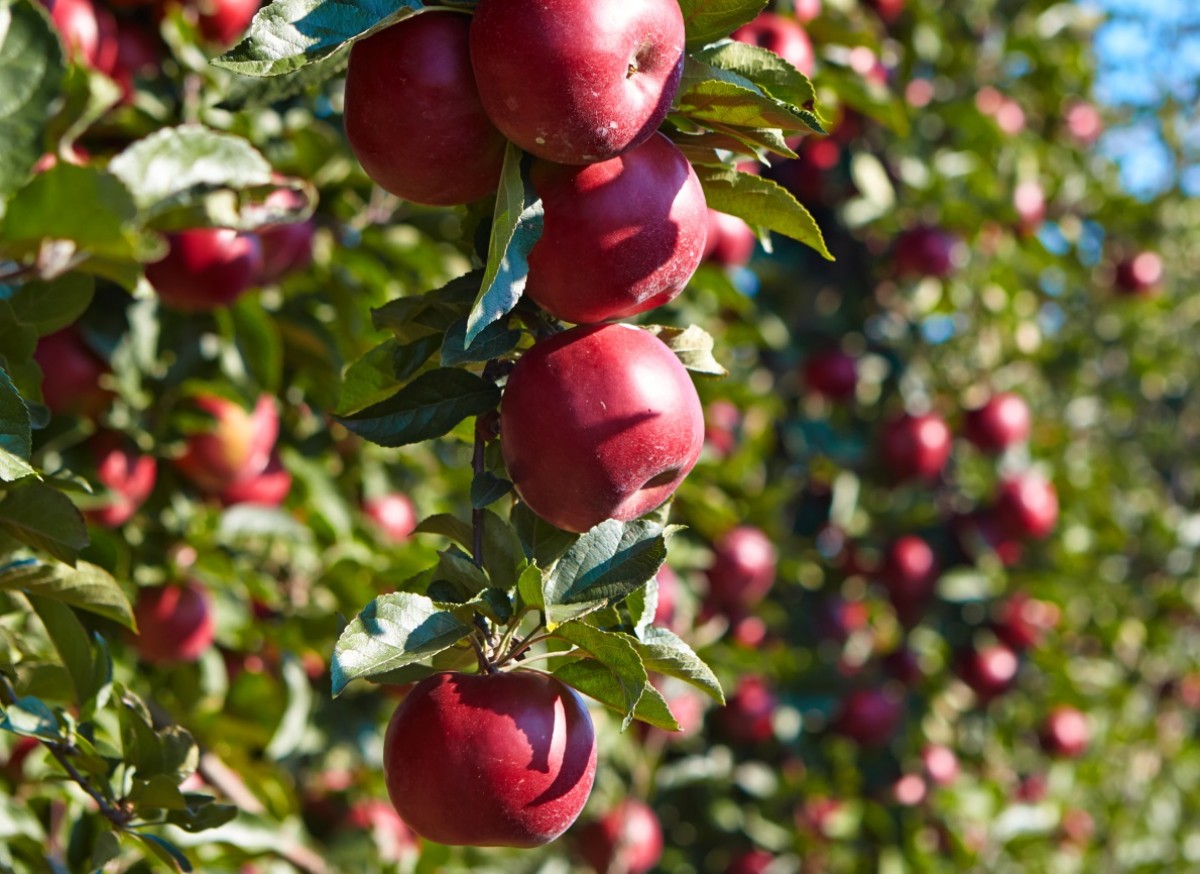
(286, 248)
(990, 670)
(235, 448)
(781, 35)
(268, 488)
(870, 716)
(888, 10)
(126, 474)
(915, 447)
(1066, 732)
(940, 764)
(730, 241)
(413, 116)
(628, 838)
(138, 55)
(504, 759)
(634, 225)
(1027, 505)
(223, 22)
(71, 374)
(925, 251)
(981, 531)
(743, 569)
(832, 373)
(205, 268)
(88, 33)
(910, 573)
(1022, 621)
(599, 422)
(750, 862)
(1001, 422)
(393, 514)
(747, 715)
(1140, 275)
(175, 623)
(577, 81)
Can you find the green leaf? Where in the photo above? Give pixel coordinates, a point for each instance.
(164, 850)
(44, 518)
(461, 572)
(98, 222)
(708, 20)
(493, 341)
(516, 228)
(529, 587)
(542, 542)
(372, 378)
(762, 203)
(256, 93)
(31, 75)
(709, 95)
(52, 305)
(85, 586)
(770, 73)
(603, 566)
(693, 346)
(665, 652)
(431, 314)
(503, 555)
(428, 407)
(591, 678)
(72, 644)
(447, 526)
(487, 488)
(16, 436)
(616, 653)
(178, 167)
(290, 34)
(107, 847)
(201, 813)
(393, 631)
(159, 792)
(31, 717)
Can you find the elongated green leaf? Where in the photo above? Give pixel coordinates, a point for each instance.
(616, 653)
(460, 571)
(31, 717)
(430, 406)
(85, 586)
(16, 436)
(290, 34)
(164, 850)
(248, 92)
(71, 642)
(604, 565)
(709, 20)
(516, 228)
(503, 555)
(542, 542)
(591, 678)
(738, 105)
(431, 314)
(44, 518)
(770, 73)
(447, 526)
(761, 203)
(50, 306)
(667, 653)
(393, 631)
(178, 167)
(31, 74)
(493, 341)
(693, 346)
(294, 724)
(487, 488)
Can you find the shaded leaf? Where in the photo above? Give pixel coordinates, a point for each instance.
(591, 678)
(693, 346)
(430, 406)
(708, 20)
(665, 652)
(31, 74)
(44, 518)
(763, 203)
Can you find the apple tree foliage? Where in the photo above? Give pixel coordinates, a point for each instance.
(387, 355)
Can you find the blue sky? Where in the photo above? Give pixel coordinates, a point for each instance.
(1148, 51)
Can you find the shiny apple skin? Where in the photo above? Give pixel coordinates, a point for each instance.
(504, 760)
(1002, 421)
(175, 623)
(915, 447)
(555, 78)
(206, 268)
(599, 422)
(1027, 505)
(413, 116)
(620, 237)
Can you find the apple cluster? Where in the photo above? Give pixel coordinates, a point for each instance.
(600, 421)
